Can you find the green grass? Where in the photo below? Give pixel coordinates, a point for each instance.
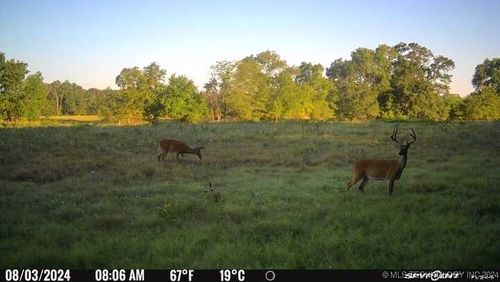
(89, 196)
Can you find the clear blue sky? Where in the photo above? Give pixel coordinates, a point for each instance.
(89, 42)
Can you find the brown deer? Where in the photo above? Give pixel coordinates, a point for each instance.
(389, 170)
(178, 147)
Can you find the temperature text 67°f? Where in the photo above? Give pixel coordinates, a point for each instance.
(177, 275)
(226, 275)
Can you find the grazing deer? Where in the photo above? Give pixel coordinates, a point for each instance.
(389, 170)
(178, 147)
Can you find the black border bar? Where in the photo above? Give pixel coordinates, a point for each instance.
(262, 275)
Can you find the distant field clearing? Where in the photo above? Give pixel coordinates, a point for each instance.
(74, 118)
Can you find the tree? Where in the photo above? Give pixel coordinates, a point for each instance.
(286, 102)
(131, 78)
(418, 80)
(213, 98)
(221, 85)
(154, 76)
(12, 74)
(385, 57)
(356, 84)
(35, 99)
(487, 74)
(270, 63)
(483, 104)
(250, 92)
(262, 86)
(144, 94)
(113, 106)
(317, 89)
(182, 101)
(454, 106)
(75, 100)
(141, 90)
(133, 84)
(69, 98)
(96, 98)
(405, 80)
(437, 73)
(56, 96)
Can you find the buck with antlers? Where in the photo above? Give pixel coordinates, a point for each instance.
(389, 170)
(178, 147)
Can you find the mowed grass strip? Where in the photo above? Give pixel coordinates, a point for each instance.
(91, 195)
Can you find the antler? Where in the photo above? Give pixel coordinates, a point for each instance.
(394, 136)
(413, 135)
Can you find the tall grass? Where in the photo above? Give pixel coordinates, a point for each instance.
(87, 196)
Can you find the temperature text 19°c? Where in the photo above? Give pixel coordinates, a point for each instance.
(177, 275)
(226, 275)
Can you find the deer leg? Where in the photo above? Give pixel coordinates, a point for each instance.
(390, 185)
(162, 155)
(353, 181)
(160, 151)
(363, 183)
(177, 157)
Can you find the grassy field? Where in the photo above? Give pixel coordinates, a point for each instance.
(91, 195)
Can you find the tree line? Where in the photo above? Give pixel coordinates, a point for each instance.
(405, 81)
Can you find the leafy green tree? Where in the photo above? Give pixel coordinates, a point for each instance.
(213, 97)
(55, 94)
(300, 93)
(182, 101)
(487, 74)
(114, 106)
(406, 80)
(263, 86)
(155, 78)
(270, 63)
(96, 98)
(35, 99)
(250, 92)
(437, 73)
(144, 94)
(141, 90)
(75, 100)
(454, 106)
(286, 102)
(255, 87)
(221, 86)
(418, 80)
(384, 57)
(68, 98)
(12, 74)
(133, 84)
(356, 82)
(317, 89)
(483, 104)
(131, 78)
(20, 96)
